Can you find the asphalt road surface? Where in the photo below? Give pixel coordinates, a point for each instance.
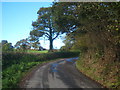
(59, 74)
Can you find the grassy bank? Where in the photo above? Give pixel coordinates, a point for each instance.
(15, 65)
(105, 71)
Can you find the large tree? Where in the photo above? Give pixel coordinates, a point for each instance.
(44, 26)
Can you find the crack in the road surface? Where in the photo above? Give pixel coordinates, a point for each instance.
(60, 74)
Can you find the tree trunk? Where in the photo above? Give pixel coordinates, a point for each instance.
(51, 40)
(51, 44)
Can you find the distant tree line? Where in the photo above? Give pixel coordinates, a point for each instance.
(21, 45)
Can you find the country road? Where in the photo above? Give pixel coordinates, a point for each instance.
(59, 74)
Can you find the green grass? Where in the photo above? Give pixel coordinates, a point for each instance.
(35, 51)
(13, 74)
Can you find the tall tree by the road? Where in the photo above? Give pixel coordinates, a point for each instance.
(44, 26)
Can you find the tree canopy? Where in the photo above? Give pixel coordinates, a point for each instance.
(44, 25)
(22, 45)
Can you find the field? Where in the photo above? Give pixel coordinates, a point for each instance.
(34, 51)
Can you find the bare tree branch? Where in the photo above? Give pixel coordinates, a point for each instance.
(56, 36)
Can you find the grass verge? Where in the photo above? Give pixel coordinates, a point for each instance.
(106, 73)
